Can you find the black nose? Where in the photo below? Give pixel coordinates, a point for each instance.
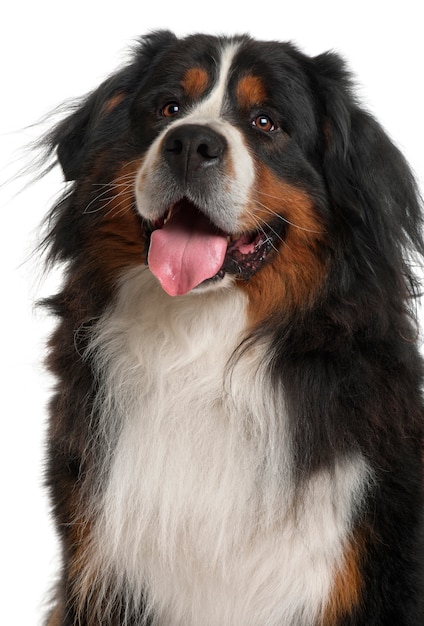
(190, 148)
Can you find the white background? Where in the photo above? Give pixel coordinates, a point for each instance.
(52, 51)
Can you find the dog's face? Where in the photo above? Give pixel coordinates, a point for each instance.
(227, 170)
(240, 164)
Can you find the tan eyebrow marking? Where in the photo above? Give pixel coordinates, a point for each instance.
(195, 81)
(250, 91)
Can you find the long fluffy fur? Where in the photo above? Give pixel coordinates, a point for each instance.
(251, 453)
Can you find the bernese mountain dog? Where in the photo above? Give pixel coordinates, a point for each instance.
(236, 435)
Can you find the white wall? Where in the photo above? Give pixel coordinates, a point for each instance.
(51, 51)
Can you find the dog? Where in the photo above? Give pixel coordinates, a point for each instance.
(236, 433)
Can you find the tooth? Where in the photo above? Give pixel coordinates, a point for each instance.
(169, 213)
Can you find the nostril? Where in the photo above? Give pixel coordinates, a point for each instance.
(208, 152)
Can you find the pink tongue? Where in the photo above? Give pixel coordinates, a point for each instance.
(186, 251)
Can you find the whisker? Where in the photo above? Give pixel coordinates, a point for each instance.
(94, 201)
(259, 227)
(123, 182)
(126, 188)
(122, 203)
(284, 219)
(125, 175)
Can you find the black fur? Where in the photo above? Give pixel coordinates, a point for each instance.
(349, 364)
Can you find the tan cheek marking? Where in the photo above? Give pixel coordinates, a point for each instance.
(118, 242)
(292, 279)
(195, 81)
(347, 587)
(250, 91)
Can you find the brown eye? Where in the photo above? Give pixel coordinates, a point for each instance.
(263, 122)
(171, 109)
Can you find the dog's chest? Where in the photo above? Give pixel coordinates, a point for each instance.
(196, 514)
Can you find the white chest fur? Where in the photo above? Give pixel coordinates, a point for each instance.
(197, 513)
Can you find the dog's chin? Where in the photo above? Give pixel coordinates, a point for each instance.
(220, 282)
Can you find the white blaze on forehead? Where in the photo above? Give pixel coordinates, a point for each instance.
(211, 108)
(233, 191)
(213, 105)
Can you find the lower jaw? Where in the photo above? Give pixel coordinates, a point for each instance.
(220, 281)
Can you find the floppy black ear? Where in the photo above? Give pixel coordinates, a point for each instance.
(102, 115)
(368, 180)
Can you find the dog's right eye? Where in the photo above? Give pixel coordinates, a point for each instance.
(171, 109)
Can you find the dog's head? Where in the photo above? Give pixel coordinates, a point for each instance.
(238, 163)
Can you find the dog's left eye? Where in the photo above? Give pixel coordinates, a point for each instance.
(264, 122)
(171, 109)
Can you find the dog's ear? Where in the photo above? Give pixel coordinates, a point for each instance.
(102, 115)
(368, 179)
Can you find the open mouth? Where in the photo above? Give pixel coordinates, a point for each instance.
(186, 249)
